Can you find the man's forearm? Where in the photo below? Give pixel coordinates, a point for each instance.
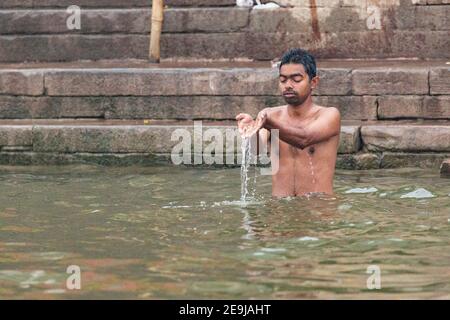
(295, 136)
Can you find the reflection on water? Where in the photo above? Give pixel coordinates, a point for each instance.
(176, 232)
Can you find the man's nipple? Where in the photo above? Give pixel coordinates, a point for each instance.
(311, 151)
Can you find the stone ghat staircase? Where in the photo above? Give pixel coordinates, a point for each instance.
(362, 90)
(88, 97)
(32, 30)
(395, 113)
(127, 142)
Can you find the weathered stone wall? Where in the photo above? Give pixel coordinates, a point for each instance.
(110, 3)
(361, 146)
(387, 92)
(396, 113)
(210, 29)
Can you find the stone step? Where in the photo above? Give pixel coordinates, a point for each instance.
(126, 21)
(125, 142)
(210, 20)
(110, 3)
(370, 90)
(411, 138)
(119, 136)
(223, 45)
(200, 33)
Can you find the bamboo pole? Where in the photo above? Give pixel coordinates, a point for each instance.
(156, 28)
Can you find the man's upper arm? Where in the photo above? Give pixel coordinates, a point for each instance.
(326, 126)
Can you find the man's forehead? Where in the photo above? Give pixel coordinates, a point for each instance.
(292, 68)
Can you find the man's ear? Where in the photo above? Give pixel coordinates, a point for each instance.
(315, 82)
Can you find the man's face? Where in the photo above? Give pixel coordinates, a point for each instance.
(295, 84)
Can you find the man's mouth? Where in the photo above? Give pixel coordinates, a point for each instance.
(289, 94)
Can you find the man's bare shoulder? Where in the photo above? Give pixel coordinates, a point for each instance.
(330, 113)
(277, 111)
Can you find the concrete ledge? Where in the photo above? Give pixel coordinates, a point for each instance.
(352, 3)
(424, 107)
(154, 107)
(44, 107)
(350, 140)
(440, 80)
(145, 139)
(142, 91)
(23, 48)
(154, 139)
(351, 107)
(172, 107)
(182, 82)
(103, 139)
(269, 46)
(364, 161)
(135, 19)
(109, 3)
(21, 82)
(166, 82)
(128, 21)
(334, 82)
(105, 159)
(411, 138)
(16, 136)
(134, 79)
(109, 143)
(244, 45)
(390, 82)
(242, 81)
(420, 160)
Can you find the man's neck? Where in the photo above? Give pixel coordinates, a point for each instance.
(301, 111)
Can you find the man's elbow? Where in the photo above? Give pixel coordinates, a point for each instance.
(310, 140)
(303, 143)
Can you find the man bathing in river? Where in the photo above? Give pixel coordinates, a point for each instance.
(308, 133)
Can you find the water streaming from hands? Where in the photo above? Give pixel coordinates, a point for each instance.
(245, 165)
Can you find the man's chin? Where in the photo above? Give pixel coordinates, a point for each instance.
(293, 101)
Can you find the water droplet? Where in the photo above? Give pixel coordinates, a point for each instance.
(312, 169)
(245, 164)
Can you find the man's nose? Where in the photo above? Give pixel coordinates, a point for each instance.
(288, 85)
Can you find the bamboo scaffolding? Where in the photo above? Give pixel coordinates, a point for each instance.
(156, 28)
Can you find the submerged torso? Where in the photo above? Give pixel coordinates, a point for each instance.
(301, 172)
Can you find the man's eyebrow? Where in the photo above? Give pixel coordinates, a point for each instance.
(292, 75)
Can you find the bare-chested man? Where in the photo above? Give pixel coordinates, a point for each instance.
(308, 133)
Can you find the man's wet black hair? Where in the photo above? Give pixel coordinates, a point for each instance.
(302, 57)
